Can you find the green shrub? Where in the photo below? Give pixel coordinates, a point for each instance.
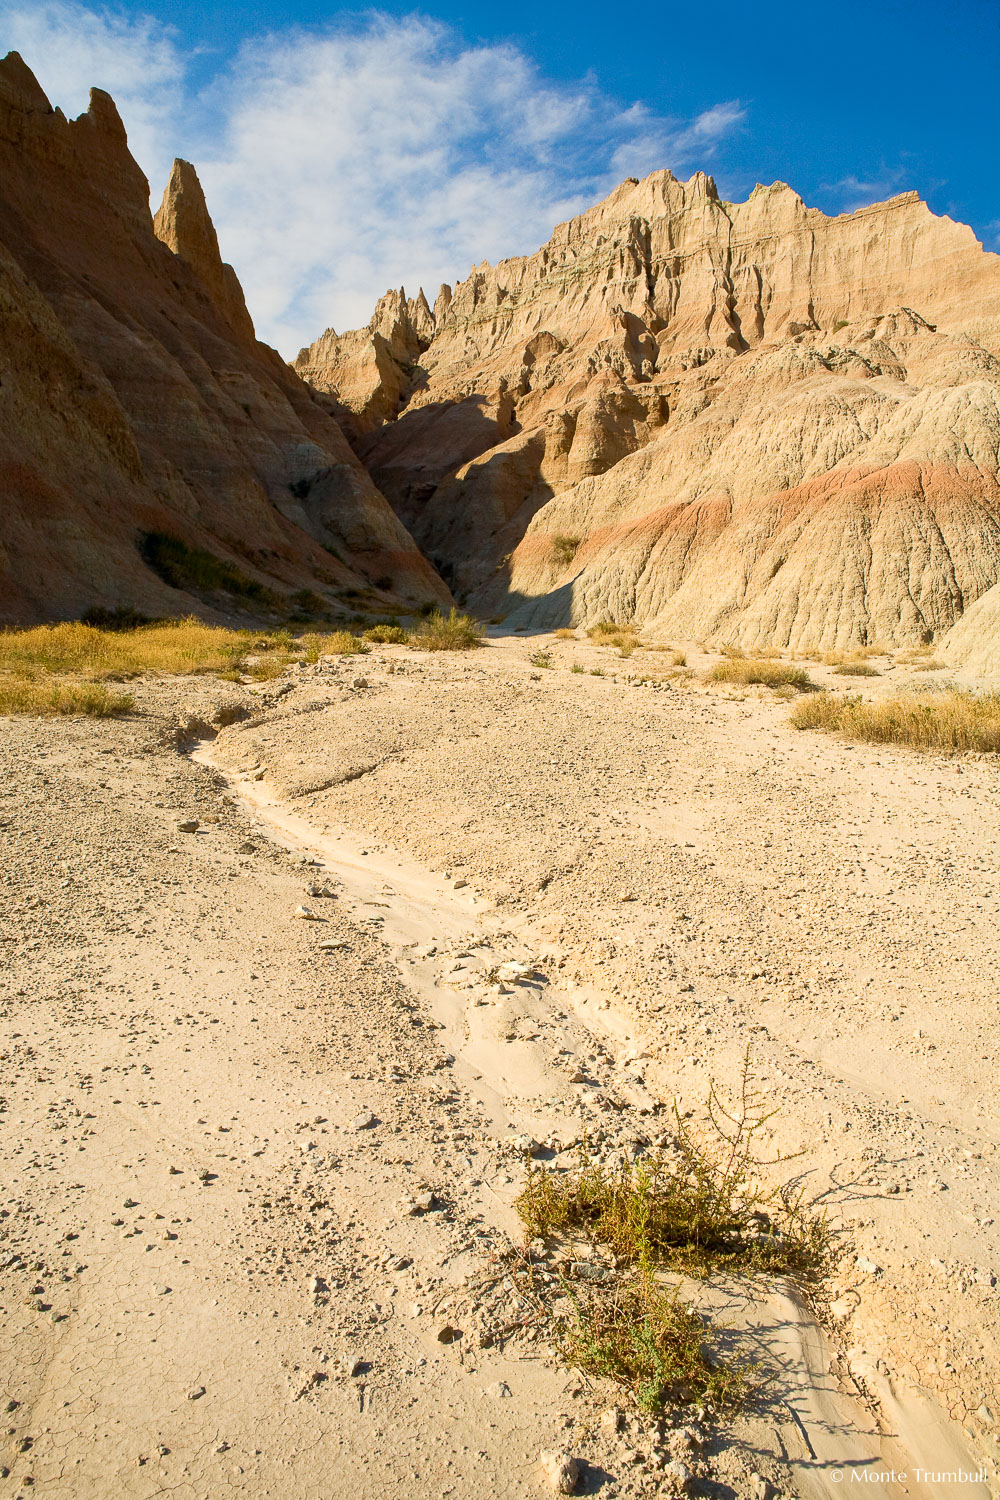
(184, 567)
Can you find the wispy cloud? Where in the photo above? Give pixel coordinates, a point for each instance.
(341, 160)
(856, 192)
(135, 59)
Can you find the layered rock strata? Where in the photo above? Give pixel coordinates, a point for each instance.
(738, 421)
(135, 399)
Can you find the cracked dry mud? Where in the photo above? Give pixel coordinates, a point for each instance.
(253, 1165)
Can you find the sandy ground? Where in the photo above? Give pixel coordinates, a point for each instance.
(254, 1165)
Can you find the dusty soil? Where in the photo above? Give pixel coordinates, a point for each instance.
(220, 1270)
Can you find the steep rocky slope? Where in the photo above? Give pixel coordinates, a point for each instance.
(740, 421)
(135, 399)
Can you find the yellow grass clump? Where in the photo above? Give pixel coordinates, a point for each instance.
(451, 632)
(30, 695)
(745, 671)
(606, 633)
(182, 646)
(565, 635)
(949, 721)
(336, 643)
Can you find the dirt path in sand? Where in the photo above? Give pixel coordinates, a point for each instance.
(204, 1232)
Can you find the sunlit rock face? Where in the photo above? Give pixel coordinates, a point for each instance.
(749, 422)
(134, 397)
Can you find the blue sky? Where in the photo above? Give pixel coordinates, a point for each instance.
(344, 151)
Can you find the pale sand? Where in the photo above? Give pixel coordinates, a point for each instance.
(688, 874)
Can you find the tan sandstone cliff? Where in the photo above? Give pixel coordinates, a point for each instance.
(135, 399)
(749, 422)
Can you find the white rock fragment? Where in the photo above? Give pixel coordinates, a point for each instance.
(562, 1471)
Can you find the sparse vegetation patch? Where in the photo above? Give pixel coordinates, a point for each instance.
(696, 1209)
(745, 671)
(451, 632)
(184, 567)
(952, 721)
(179, 646)
(26, 695)
(564, 549)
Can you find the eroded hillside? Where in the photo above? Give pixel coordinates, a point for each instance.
(739, 421)
(135, 400)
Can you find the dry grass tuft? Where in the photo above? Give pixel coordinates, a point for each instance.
(745, 671)
(31, 695)
(386, 635)
(451, 632)
(178, 647)
(856, 669)
(565, 635)
(950, 721)
(564, 549)
(336, 643)
(624, 637)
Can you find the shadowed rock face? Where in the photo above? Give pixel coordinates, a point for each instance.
(739, 421)
(135, 398)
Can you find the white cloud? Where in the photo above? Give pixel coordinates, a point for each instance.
(855, 192)
(339, 161)
(137, 61)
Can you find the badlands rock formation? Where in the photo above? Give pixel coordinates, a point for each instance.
(134, 397)
(745, 422)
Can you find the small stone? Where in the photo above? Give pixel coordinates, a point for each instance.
(612, 1419)
(498, 1391)
(304, 914)
(364, 1121)
(196, 1392)
(460, 885)
(360, 682)
(763, 1488)
(247, 847)
(562, 1471)
(424, 1202)
(447, 1335)
(333, 945)
(679, 1474)
(188, 825)
(161, 1289)
(578, 1076)
(352, 1364)
(868, 1267)
(175, 1171)
(985, 1414)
